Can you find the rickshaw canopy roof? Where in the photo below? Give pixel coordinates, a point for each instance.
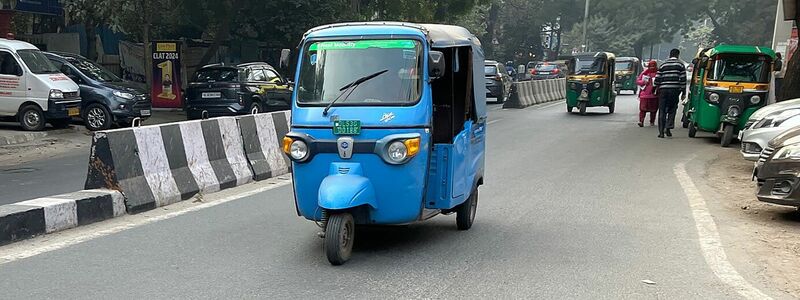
(740, 49)
(439, 36)
(604, 55)
(624, 59)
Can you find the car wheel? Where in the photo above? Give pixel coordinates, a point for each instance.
(31, 118)
(255, 108)
(97, 117)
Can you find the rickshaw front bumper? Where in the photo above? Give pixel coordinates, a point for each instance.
(346, 188)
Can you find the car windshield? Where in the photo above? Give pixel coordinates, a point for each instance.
(740, 68)
(490, 70)
(93, 70)
(328, 66)
(588, 66)
(216, 75)
(623, 66)
(37, 62)
(546, 67)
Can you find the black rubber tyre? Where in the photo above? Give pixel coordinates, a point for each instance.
(61, 123)
(32, 118)
(339, 236)
(465, 213)
(97, 117)
(582, 107)
(256, 108)
(692, 129)
(570, 109)
(727, 135)
(612, 107)
(685, 121)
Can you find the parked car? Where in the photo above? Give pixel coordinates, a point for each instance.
(757, 136)
(225, 90)
(498, 83)
(778, 168)
(33, 90)
(106, 98)
(548, 70)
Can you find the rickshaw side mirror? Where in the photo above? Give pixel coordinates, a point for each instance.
(778, 65)
(436, 65)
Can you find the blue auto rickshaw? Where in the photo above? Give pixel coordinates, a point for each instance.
(388, 127)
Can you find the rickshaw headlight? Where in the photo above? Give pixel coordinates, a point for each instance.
(713, 97)
(397, 152)
(755, 100)
(298, 150)
(597, 85)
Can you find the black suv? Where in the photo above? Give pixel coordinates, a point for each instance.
(106, 98)
(222, 90)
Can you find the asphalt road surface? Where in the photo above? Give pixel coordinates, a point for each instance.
(582, 207)
(41, 178)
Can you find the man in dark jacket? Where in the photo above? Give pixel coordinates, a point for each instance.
(670, 83)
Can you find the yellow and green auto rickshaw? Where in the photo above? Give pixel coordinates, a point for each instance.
(591, 81)
(728, 84)
(627, 71)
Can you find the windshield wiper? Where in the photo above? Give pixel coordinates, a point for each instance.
(350, 87)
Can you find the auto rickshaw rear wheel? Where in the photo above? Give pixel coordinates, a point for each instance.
(465, 214)
(582, 107)
(727, 135)
(339, 235)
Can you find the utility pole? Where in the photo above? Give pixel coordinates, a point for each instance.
(585, 26)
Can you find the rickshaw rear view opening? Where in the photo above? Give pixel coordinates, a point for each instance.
(388, 127)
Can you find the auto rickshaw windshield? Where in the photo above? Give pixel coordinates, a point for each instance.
(588, 66)
(740, 68)
(624, 66)
(329, 66)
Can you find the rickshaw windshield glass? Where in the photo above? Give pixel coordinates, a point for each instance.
(624, 66)
(329, 66)
(588, 66)
(740, 68)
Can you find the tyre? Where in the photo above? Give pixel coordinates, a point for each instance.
(465, 214)
(339, 236)
(727, 135)
(692, 129)
(61, 123)
(582, 107)
(31, 118)
(97, 117)
(685, 121)
(255, 108)
(570, 109)
(611, 107)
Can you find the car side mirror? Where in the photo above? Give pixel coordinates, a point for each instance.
(778, 65)
(436, 65)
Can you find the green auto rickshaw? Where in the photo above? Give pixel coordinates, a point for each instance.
(627, 71)
(728, 84)
(590, 81)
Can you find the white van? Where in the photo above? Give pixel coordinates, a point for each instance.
(33, 90)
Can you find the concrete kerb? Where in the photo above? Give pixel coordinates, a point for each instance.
(262, 135)
(56, 213)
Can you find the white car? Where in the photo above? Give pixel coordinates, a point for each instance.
(758, 134)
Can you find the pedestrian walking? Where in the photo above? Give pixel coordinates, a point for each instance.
(648, 100)
(779, 74)
(670, 86)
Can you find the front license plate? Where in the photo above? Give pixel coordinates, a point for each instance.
(145, 112)
(736, 89)
(73, 111)
(347, 127)
(209, 95)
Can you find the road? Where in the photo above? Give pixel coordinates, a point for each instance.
(581, 207)
(46, 177)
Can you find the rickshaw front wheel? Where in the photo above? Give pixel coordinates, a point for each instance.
(339, 236)
(582, 107)
(611, 107)
(465, 215)
(692, 129)
(727, 135)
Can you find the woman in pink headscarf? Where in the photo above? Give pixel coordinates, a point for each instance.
(648, 100)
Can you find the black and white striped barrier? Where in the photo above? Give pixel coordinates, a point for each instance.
(56, 213)
(528, 93)
(155, 166)
(262, 135)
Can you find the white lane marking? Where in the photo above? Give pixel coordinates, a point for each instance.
(546, 106)
(710, 242)
(493, 121)
(64, 239)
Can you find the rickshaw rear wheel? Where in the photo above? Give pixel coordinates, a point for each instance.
(727, 135)
(465, 215)
(582, 107)
(339, 236)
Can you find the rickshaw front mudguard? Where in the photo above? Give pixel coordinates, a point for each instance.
(346, 191)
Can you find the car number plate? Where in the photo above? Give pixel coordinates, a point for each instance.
(736, 89)
(145, 112)
(208, 95)
(73, 111)
(347, 127)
